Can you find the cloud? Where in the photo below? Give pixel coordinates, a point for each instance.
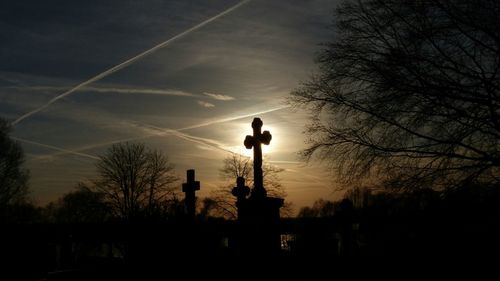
(57, 148)
(219, 96)
(151, 130)
(156, 131)
(232, 118)
(145, 91)
(77, 151)
(126, 63)
(167, 92)
(205, 104)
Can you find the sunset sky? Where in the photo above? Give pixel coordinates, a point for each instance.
(194, 98)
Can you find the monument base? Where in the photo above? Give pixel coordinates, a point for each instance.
(258, 225)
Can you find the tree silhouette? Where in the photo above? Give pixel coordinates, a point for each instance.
(135, 180)
(222, 201)
(13, 177)
(320, 209)
(81, 205)
(360, 196)
(408, 93)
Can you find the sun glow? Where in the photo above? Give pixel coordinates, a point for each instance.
(266, 149)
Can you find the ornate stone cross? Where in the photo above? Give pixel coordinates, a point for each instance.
(255, 142)
(190, 187)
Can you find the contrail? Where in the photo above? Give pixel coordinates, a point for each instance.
(153, 131)
(80, 149)
(164, 131)
(223, 120)
(167, 92)
(128, 62)
(198, 140)
(56, 148)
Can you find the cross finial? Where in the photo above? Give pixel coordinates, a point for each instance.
(255, 142)
(190, 187)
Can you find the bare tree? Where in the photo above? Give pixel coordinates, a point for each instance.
(135, 179)
(13, 177)
(237, 165)
(408, 93)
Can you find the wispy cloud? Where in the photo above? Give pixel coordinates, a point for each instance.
(9, 80)
(167, 92)
(285, 162)
(142, 91)
(219, 96)
(205, 104)
(127, 62)
(227, 119)
(154, 130)
(151, 131)
(77, 151)
(57, 148)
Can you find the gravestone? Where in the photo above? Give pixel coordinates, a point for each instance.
(189, 188)
(258, 215)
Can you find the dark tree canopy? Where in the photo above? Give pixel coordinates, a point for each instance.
(13, 177)
(408, 93)
(135, 180)
(82, 205)
(320, 209)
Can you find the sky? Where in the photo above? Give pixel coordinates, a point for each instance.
(184, 77)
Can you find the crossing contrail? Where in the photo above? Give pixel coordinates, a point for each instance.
(153, 131)
(203, 141)
(77, 151)
(56, 148)
(166, 131)
(128, 62)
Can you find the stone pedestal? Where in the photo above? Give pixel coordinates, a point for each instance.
(258, 225)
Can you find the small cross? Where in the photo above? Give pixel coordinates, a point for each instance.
(241, 191)
(255, 142)
(190, 187)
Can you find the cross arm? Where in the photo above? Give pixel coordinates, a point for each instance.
(266, 137)
(249, 142)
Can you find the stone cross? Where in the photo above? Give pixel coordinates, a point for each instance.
(255, 142)
(190, 187)
(241, 191)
